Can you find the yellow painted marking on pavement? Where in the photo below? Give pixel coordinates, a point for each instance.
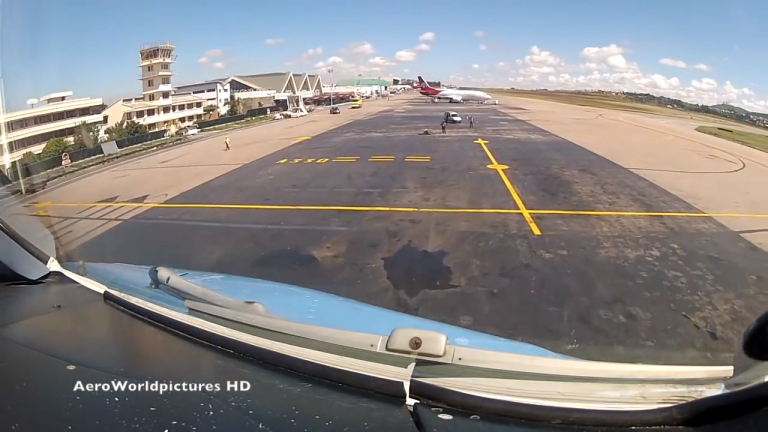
(287, 207)
(515, 196)
(418, 158)
(352, 159)
(405, 209)
(646, 214)
(497, 167)
(302, 161)
(346, 159)
(298, 140)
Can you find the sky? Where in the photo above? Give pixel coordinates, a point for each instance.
(697, 51)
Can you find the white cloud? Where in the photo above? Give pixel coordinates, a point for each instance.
(309, 56)
(609, 68)
(358, 49)
(210, 54)
(607, 57)
(381, 61)
(483, 47)
(218, 52)
(332, 61)
(705, 84)
(673, 63)
(683, 65)
(274, 41)
(539, 57)
(733, 91)
(479, 33)
(218, 65)
(427, 37)
(405, 56)
(475, 66)
(359, 58)
(364, 48)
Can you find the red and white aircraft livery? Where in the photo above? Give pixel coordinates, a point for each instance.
(452, 95)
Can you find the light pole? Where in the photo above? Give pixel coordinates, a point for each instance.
(330, 72)
(358, 86)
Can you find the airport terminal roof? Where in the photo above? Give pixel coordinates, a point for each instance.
(363, 82)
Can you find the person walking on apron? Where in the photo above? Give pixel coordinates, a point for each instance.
(226, 144)
(471, 122)
(442, 126)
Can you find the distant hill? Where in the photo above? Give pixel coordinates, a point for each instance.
(720, 110)
(729, 107)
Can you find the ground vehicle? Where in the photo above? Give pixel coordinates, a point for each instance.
(190, 130)
(451, 117)
(357, 102)
(335, 110)
(297, 112)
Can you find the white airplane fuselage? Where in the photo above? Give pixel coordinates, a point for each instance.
(462, 95)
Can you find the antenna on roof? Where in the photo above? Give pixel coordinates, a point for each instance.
(32, 102)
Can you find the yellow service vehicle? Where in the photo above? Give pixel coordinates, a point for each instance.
(357, 102)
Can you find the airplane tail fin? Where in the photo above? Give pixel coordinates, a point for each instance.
(423, 84)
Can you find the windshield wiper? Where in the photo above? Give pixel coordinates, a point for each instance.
(169, 282)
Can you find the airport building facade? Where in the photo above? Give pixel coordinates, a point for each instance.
(160, 106)
(365, 86)
(55, 116)
(283, 89)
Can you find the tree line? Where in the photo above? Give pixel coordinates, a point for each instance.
(85, 136)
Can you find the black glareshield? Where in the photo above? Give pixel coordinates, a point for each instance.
(754, 342)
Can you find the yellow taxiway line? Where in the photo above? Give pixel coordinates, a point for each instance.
(402, 209)
(515, 196)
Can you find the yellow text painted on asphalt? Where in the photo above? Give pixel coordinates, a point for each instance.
(353, 159)
(303, 161)
(515, 196)
(404, 209)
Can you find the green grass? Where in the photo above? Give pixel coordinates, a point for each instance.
(757, 141)
(607, 101)
(595, 100)
(236, 125)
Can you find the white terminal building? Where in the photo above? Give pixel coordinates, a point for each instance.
(51, 116)
(284, 89)
(160, 106)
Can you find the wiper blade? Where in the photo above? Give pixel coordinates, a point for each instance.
(169, 282)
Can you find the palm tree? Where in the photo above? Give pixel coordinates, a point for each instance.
(86, 135)
(125, 129)
(235, 105)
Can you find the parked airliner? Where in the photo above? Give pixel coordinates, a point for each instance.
(452, 95)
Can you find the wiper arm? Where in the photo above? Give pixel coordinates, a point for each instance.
(169, 282)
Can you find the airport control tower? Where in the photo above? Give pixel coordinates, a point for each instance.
(156, 73)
